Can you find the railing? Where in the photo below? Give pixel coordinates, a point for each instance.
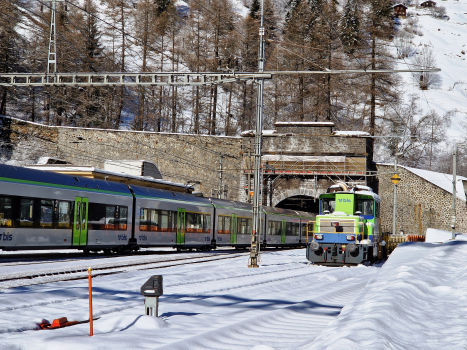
(357, 227)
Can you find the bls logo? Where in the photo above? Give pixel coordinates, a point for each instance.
(344, 200)
(143, 238)
(122, 237)
(7, 237)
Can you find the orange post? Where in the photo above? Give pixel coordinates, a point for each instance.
(90, 302)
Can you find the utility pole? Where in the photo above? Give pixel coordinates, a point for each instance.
(52, 56)
(257, 181)
(454, 191)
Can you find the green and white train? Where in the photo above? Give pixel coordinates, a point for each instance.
(347, 230)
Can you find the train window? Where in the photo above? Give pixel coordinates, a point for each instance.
(5, 212)
(26, 210)
(64, 214)
(292, 229)
(123, 218)
(154, 220)
(143, 219)
(274, 228)
(167, 220)
(110, 217)
(47, 209)
(199, 223)
(96, 216)
(328, 204)
(377, 209)
(365, 206)
(223, 225)
(244, 226)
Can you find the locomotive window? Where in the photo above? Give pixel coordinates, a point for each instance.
(328, 204)
(292, 229)
(47, 209)
(26, 210)
(365, 206)
(5, 212)
(377, 209)
(64, 214)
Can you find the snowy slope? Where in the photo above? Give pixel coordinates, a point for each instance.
(447, 39)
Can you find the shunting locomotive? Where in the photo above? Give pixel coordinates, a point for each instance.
(347, 230)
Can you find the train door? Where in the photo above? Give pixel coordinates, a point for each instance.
(283, 228)
(233, 229)
(80, 223)
(181, 226)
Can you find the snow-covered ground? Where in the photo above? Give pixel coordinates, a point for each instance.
(416, 300)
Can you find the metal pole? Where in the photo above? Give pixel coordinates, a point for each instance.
(219, 193)
(255, 234)
(91, 328)
(454, 170)
(395, 200)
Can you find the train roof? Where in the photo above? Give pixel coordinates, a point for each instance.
(280, 211)
(44, 178)
(226, 203)
(141, 191)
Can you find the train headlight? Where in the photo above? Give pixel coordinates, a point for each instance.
(319, 237)
(334, 223)
(350, 238)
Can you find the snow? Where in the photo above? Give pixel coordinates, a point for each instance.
(437, 236)
(416, 300)
(351, 133)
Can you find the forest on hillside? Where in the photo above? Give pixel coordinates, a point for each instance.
(216, 36)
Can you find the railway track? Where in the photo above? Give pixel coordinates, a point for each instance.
(80, 269)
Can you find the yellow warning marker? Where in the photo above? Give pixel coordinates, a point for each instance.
(395, 179)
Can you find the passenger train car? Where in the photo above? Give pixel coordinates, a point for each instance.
(347, 229)
(45, 210)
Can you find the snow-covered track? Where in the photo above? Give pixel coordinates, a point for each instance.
(80, 269)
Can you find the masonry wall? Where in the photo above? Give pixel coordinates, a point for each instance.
(420, 204)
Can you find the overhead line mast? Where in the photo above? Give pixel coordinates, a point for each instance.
(257, 185)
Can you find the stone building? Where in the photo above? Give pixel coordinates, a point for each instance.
(424, 200)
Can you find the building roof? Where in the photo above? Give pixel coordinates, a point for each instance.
(443, 181)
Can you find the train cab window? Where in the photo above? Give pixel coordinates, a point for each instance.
(365, 206)
(26, 210)
(5, 212)
(223, 224)
(292, 229)
(328, 204)
(64, 214)
(47, 209)
(244, 226)
(275, 228)
(167, 220)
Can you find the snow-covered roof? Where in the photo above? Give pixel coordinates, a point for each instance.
(253, 132)
(400, 5)
(304, 123)
(351, 133)
(441, 180)
(282, 158)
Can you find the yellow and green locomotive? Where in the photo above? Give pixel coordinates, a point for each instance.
(347, 229)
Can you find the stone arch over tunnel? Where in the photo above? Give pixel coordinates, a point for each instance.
(300, 202)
